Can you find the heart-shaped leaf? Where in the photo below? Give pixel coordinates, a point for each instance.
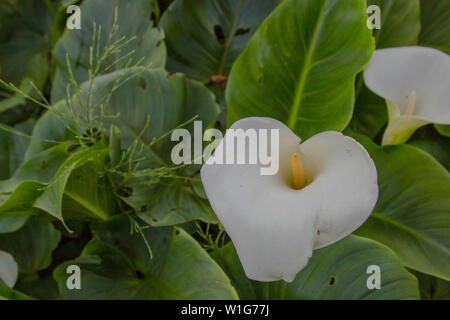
(411, 215)
(100, 30)
(301, 65)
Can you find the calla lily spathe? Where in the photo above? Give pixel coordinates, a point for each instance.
(415, 81)
(8, 269)
(275, 227)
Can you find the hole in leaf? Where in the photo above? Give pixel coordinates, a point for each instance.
(44, 163)
(242, 31)
(260, 80)
(332, 281)
(140, 275)
(144, 208)
(177, 232)
(154, 220)
(142, 83)
(220, 36)
(154, 19)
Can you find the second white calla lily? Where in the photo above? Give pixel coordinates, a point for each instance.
(274, 224)
(415, 81)
(8, 269)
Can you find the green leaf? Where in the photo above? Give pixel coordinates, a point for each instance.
(52, 128)
(12, 224)
(431, 142)
(20, 202)
(24, 41)
(411, 215)
(12, 148)
(336, 272)
(6, 293)
(39, 167)
(169, 203)
(79, 180)
(132, 21)
(301, 65)
(400, 23)
(32, 245)
(435, 19)
(166, 101)
(443, 129)
(370, 113)
(39, 285)
(205, 37)
(179, 269)
(432, 288)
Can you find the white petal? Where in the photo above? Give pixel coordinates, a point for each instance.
(394, 73)
(345, 186)
(8, 269)
(274, 227)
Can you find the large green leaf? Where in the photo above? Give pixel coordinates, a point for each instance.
(336, 272)
(412, 213)
(435, 19)
(205, 37)
(400, 23)
(301, 64)
(119, 266)
(32, 245)
(166, 101)
(132, 21)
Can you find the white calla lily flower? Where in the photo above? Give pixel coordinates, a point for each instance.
(415, 81)
(8, 269)
(325, 188)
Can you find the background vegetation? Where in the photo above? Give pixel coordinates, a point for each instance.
(86, 117)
